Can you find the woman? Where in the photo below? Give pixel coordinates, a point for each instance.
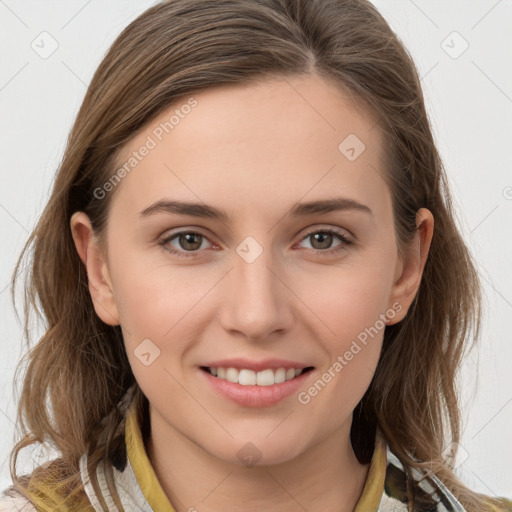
(204, 349)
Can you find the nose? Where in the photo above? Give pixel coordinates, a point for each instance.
(256, 301)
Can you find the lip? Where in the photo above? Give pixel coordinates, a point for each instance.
(255, 396)
(257, 366)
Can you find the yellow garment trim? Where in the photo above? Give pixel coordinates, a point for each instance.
(157, 499)
(374, 485)
(144, 472)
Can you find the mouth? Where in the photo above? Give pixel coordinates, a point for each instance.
(246, 377)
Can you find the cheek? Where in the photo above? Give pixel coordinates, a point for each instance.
(351, 297)
(157, 301)
(351, 344)
(352, 304)
(356, 338)
(144, 288)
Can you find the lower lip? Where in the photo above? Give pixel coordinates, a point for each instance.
(256, 396)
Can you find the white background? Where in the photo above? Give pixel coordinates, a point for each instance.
(469, 100)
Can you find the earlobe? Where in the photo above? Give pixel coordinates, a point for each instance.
(406, 286)
(93, 258)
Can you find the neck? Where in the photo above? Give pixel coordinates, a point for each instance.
(326, 477)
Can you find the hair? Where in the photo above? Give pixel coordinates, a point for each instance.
(78, 371)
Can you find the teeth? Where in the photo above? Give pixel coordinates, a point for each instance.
(250, 378)
(232, 375)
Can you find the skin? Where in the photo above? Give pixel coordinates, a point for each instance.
(254, 151)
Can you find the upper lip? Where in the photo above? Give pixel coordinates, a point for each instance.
(256, 366)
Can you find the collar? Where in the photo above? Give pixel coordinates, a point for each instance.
(157, 500)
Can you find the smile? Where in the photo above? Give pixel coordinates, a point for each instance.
(246, 377)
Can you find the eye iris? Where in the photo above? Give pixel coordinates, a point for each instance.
(325, 236)
(187, 243)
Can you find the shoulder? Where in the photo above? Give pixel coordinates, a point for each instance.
(12, 501)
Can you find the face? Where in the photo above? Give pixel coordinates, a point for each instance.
(272, 280)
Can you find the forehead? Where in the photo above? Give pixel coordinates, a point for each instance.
(256, 144)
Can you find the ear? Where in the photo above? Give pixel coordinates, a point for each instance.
(409, 269)
(91, 254)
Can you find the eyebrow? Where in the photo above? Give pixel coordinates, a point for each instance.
(210, 212)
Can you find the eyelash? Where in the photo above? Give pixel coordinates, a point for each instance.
(327, 252)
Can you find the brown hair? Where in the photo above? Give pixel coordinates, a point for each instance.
(78, 371)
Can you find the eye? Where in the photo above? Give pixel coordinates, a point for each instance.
(189, 241)
(322, 240)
